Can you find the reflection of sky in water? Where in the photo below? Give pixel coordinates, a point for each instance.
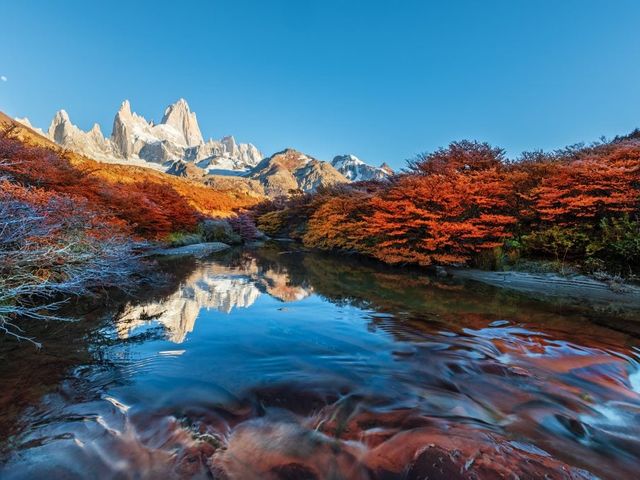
(634, 379)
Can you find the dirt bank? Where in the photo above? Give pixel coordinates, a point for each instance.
(576, 287)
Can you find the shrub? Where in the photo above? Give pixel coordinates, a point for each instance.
(442, 218)
(602, 183)
(337, 223)
(218, 231)
(53, 246)
(620, 240)
(244, 226)
(562, 243)
(180, 239)
(273, 223)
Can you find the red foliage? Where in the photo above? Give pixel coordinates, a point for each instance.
(439, 218)
(460, 201)
(460, 156)
(602, 183)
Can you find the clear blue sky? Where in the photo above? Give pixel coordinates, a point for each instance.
(383, 80)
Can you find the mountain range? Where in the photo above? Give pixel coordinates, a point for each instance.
(176, 145)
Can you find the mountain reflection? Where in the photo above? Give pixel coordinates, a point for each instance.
(209, 286)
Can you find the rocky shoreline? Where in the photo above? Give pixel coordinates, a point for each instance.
(577, 287)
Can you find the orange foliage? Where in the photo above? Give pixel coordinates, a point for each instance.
(441, 218)
(451, 205)
(600, 184)
(338, 222)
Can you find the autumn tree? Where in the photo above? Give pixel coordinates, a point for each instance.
(462, 156)
(338, 221)
(441, 219)
(452, 204)
(601, 184)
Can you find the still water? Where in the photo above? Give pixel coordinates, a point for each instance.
(279, 364)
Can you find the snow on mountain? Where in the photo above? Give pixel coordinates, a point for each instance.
(181, 118)
(356, 170)
(134, 140)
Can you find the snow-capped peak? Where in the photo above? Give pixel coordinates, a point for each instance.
(356, 170)
(346, 160)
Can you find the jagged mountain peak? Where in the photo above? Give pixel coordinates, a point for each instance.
(61, 115)
(61, 126)
(179, 107)
(91, 143)
(125, 106)
(179, 116)
(387, 168)
(230, 142)
(125, 110)
(27, 123)
(180, 103)
(24, 121)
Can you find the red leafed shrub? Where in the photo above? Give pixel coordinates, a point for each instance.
(463, 156)
(603, 183)
(452, 205)
(153, 210)
(440, 218)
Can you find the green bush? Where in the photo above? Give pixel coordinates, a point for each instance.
(272, 223)
(562, 243)
(218, 231)
(618, 242)
(180, 239)
(611, 245)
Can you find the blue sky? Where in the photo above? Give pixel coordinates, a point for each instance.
(383, 80)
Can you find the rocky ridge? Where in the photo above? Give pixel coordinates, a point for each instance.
(177, 137)
(291, 171)
(176, 146)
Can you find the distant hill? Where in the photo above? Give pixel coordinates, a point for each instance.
(290, 171)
